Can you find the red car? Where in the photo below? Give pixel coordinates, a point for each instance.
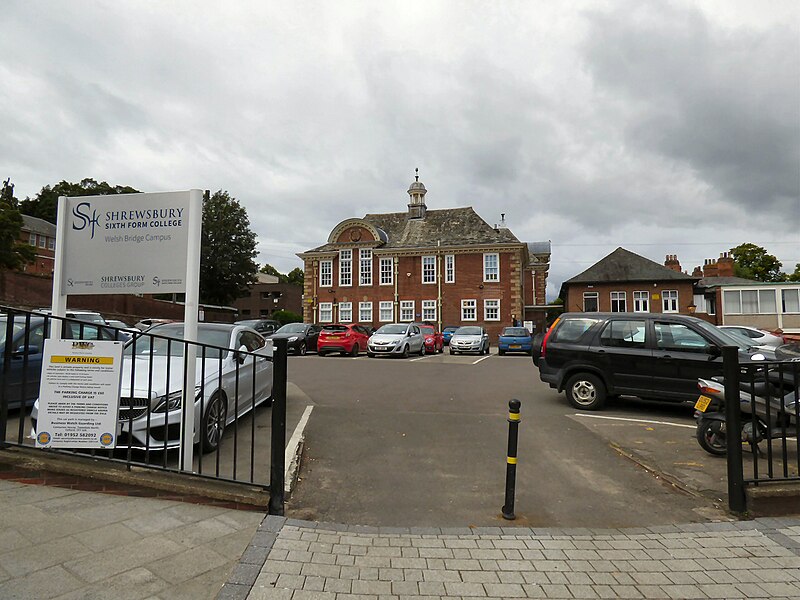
(344, 338)
(433, 339)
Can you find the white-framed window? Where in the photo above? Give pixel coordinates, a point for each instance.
(326, 312)
(42, 241)
(619, 302)
(428, 269)
(386, 308)
(790, 301)
(450, 268)
(429, 310)
(641, 301)
(491, 310)
(365, 312)
(51, 244)
(325, 273)
(406, 310)
(491, 267)
(669, 301)
(590, 300)
(346, 312)
(752, 302)
(32, 239)
(387, 271)
(365, 268)
(469, 310)
(345, 267)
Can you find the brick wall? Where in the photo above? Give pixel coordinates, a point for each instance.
(288, 298)
(30, 292)
(685, 295)
(468, 284)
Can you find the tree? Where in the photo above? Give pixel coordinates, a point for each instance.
(45, 204)
(286, 316)
(796, 275)
(227, 265)
(296, 276)
(753, 262)
(268, 269)
(13, 253)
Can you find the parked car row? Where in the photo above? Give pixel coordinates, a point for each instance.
(594, 356)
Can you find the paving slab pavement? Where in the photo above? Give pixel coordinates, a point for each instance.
(305, 560)
(71, 544)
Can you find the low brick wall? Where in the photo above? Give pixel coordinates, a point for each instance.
(30, 292)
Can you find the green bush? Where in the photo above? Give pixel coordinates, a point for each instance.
(286, 316)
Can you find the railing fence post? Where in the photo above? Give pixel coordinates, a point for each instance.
(277, 477)
(733, 429)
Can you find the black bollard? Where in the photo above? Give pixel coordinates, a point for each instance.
(511, 460)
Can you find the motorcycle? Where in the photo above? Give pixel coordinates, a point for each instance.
(770, 409)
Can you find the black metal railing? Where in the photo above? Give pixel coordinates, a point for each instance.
(234, 435)
(762, 402)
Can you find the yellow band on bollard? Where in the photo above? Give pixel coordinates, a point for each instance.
(512, 460)
(513, 416)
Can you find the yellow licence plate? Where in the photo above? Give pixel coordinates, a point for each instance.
(702, 403)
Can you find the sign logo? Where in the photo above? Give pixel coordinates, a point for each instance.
(83, 219)
(156, 281)
(43, 438)
(106, 439)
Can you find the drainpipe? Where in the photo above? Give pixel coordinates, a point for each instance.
(439, 284)
(395, 305)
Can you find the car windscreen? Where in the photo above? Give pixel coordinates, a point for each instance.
(469, 331)
(393, 329)
(516, 332)
(428, 330)
(174, 346)
(292, 328)
(18, 326)
(571, 330)
(737, 338)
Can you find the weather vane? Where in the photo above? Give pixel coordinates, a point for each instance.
(417, 173)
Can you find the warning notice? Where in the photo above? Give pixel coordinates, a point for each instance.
(79, 394)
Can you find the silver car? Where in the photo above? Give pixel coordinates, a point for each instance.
(757, 337)
(396, 339)
(470, 338)
(149, 417)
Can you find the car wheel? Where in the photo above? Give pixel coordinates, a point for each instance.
(405, 351)
(452, 351)
(586, 391)
(354, 351)
(711, 437)
(213, 424)
(321, 353)
(370, 354)
(423, 350)
(501, 352)
(301, 349)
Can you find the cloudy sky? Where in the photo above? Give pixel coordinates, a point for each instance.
(662, 127)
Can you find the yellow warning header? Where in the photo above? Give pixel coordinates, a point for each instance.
(83, 360)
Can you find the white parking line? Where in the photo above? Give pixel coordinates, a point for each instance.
(636, 420)
(291, 457)
(480, 359)
(422, 357)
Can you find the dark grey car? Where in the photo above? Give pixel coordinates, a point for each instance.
(300, 337)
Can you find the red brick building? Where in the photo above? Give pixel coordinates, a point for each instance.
(268, 296)
(626, 282)
(41, 235)
(448, 267)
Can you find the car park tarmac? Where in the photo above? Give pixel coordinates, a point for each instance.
(396, 442)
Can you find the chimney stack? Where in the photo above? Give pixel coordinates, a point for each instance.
(698, 272)
(725, 265)
(672, 263)
(710, 268)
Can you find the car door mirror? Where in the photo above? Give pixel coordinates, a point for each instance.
(714, 351)
(240, 355)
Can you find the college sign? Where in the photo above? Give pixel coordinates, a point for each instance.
(125, 244)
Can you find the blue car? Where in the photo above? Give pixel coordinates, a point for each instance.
(515, 339)
(447, 333)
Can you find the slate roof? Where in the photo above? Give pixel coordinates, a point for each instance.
(448, 227)
(37, 225)
(717, 281)
(624, 265)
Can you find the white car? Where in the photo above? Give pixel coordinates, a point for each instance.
(470, 338)
(758, 337)
(396, 339)
(153, 362)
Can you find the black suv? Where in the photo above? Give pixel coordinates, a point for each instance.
(591, 356)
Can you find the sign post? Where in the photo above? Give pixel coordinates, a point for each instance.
(134, 244)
